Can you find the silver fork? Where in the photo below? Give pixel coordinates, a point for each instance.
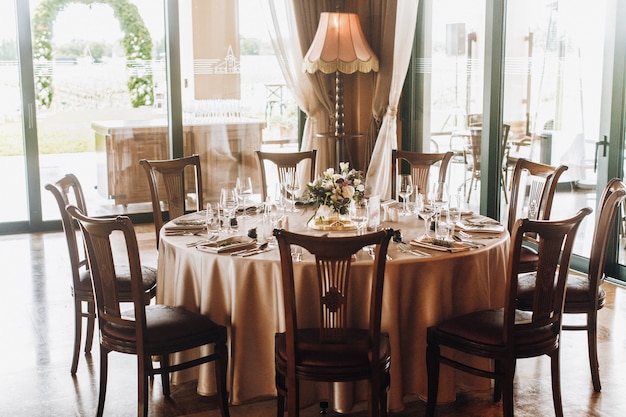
(211, 238)
(404, 248)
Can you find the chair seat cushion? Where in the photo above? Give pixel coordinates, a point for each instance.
(169, 328)
(577, 293)
(352, 354)
(528, 259)
(486, 328)
(123, 279)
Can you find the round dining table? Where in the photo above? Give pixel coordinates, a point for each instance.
(245, 295)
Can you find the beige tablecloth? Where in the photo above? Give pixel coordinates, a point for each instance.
(244, 294)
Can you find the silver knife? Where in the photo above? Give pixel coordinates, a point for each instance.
(254, 252)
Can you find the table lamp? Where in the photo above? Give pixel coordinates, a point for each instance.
(339, 46)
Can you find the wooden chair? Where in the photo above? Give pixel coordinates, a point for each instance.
(334, 350)
(584, 294)
(532, 182)
(145, 331)
(65, 191)
(475, 152)
(506, 334)
(171, 176)
(286, 165)
(420, 164)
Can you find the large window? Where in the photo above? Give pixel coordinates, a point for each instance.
(97, 98)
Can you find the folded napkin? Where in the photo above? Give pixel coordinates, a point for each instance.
(443, 246)
(480, 224)
(173, 230)
(227, 245)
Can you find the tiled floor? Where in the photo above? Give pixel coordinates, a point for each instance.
(36, 345)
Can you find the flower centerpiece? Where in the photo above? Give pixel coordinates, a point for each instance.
(332, 193)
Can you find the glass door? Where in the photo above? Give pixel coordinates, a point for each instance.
(12, 164)
(99, 75)
(552, 97)
(448, 80)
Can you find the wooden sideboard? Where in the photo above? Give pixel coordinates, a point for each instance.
(226, 150)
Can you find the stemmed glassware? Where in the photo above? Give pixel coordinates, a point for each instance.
(454, 212)
(243, 188)
(359, 215)
(228, 204)
(212, 222)
(405, 189)
(425, 211)
(291, 186)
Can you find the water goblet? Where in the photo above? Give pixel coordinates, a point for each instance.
(405, 189)
(211, 221)
(426, 212)
(243, 188)
(359, 215)
(228, 203)
(291, 186)
(454, 212)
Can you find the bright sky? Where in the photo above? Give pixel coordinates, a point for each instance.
(97, 23)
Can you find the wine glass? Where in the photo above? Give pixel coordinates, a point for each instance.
(291, 186)
(454, 212)
(243, 187)
(212, 222)
(405, 189)
(426, 212)
(228, 203)
(359, 215)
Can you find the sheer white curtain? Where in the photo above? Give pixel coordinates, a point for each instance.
(283, 32)
(378, 180)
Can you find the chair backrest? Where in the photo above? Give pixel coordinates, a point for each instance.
(475, 144)
(420, 164)
(98, 235)
(169, 175)
(336, 286)
(66, 191)
(533, 182)
(613, 195)
(286, 164)
(556, 241)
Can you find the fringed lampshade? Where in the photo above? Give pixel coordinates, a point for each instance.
(339, 46)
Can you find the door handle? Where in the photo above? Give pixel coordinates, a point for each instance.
(604, 143)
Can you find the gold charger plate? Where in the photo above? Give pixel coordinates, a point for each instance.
(332, 226)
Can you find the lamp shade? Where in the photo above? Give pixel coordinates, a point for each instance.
(339, 45)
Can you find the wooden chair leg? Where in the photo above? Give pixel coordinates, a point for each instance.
(104, 365)
(383, 396)
(293, 397)
(78, 329)
(91, 323)
(165, 376)
(556, 384)
(507, 392)
(497, 385)
(280, 398)
(432, 368)
(592, 343)
(142, 385)
(373, 398)
(221, 368)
